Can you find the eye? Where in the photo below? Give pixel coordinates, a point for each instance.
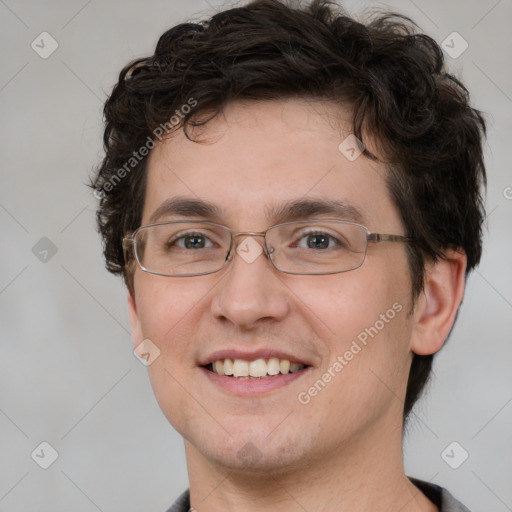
(319, 240)
(190, 241)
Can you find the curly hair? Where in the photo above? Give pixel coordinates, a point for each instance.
(393, 78)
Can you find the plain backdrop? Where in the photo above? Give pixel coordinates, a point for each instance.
(68, 376)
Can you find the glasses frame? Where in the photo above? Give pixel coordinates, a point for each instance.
(130, 244)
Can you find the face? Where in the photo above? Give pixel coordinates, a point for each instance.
(348, 332)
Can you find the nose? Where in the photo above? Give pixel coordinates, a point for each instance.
(250, 292)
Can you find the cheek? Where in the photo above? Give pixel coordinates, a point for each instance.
(169, 312)
(366, 330)
(165, 305)
(164, 313)
(351, 306)
(368, 361)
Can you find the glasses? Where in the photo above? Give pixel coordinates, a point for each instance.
(307, 247)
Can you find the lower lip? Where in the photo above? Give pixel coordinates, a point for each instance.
(253, 387)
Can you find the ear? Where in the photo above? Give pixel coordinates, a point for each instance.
(135, 325)
(436, 307)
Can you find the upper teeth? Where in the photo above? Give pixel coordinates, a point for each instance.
(257, 368)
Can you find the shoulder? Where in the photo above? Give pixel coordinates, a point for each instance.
(442, 498)
(182, 504)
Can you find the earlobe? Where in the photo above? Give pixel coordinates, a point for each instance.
(437, 305)
(135, 326)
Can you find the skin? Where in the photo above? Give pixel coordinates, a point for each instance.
(342, 451)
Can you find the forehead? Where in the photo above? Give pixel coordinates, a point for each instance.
(259, 162)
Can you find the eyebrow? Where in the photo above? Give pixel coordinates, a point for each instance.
(187, 207)
(287, 211)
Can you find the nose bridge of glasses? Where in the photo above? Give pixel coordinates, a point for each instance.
(246, 233)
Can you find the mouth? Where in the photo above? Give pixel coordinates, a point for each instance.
(243, 369)
(256, 373)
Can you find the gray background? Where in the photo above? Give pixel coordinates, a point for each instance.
(67, 372)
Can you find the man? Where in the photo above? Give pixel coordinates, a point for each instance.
(293, 199)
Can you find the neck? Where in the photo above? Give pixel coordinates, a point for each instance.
(366, 474)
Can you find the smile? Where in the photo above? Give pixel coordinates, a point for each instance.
(256, 369)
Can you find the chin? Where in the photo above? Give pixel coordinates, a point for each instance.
(254, 453)
(261, 464)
